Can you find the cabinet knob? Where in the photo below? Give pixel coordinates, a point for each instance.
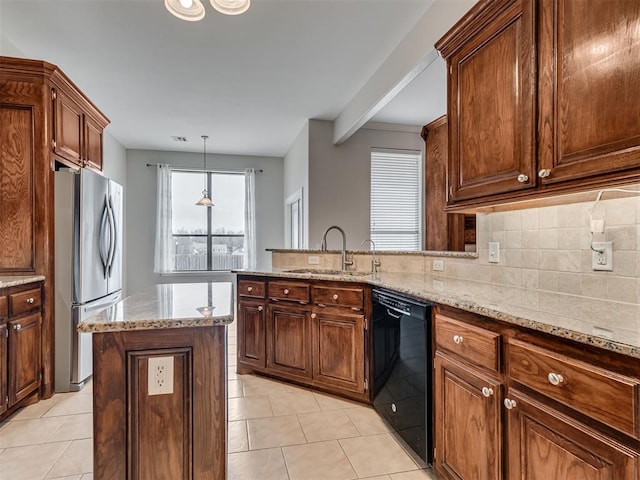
(458, 339)
(260, 308)
(555, 378)
(335, 296)
(522, 178)
(509, 404)
(249, 289)
(286, 291)
(30, 300)
(313, 315)
(17, 327)
(544, 173)
(487, 392)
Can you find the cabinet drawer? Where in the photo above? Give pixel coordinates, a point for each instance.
(251, 288)
(599, 393)
(298, 292)
(348, 297)
(473, 344)
(25, 301)
(4, 308)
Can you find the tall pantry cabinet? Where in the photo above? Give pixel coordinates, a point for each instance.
(34, 128)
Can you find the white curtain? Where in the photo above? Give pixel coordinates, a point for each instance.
(163, 258)
(249, 261)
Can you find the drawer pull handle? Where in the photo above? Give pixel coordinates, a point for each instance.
(260, 308)
(487, 392)
(17, 327)
(286, 291)
(335, 296)
(522, 178)
(555, 378)
(30, 300)
(509, 404)
(313, 315)
(249, 289)
(458, 339)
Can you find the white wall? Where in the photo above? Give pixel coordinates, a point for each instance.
(140, 207)
(339, 180)
(296, 176)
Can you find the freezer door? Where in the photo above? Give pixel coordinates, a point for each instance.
(114, 276)
(91, 218)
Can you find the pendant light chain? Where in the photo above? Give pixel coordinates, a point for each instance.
(205, 201)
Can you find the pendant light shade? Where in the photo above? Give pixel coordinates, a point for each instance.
(190, 10)
(231, 7)
(205, 201)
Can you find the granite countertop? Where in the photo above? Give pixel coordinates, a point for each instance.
(614, 326)
(174, 305)
(424, 253)
(21, 280)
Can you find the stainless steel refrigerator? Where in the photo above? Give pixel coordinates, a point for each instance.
(88, 266)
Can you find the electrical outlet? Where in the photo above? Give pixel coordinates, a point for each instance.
(160, 376)
(494, 252)
(313, 260)
(438, 265)
(602, 259)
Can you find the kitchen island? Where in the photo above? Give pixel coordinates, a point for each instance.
(159, 383)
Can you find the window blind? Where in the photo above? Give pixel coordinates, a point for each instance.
(395, 200)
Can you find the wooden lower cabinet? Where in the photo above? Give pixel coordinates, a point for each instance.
(289, 340)
(3, 368)
(252, 332)
(338, 350)
(544, 444)
(468, 422)
(24, 357)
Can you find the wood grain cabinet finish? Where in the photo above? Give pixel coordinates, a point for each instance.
(589, 84)
(491, 99)
(338, 296)
(24, 357)
(252, 334)
(252, 288)
(545, 444)
(468, 422)
(4, 364)
(289, 340)
(93, 151)
(289, 291)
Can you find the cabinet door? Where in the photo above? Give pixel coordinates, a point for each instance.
(289, 340)
(491, 106)
(251, 333)
(468, 426)
(589, 75)
(338, 350)
(544, 444)
(24, 357)
(68, 128)
(3, 368)
(92, 144)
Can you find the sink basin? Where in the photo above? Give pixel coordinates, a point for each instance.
(318, 271)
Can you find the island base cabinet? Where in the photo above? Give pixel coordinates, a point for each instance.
(468, 425)
(177, 433)
(252, 333)
(543, 444)
(289, 341)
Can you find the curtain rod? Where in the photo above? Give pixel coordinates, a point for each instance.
(215, 170)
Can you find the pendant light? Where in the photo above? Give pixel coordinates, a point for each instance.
(205, 201)
(190, 10)
(231, 7)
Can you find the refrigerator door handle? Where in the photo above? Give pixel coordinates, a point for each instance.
(104, 256)
(112, 236)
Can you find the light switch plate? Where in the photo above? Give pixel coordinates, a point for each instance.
(160, 376)
(494, 252)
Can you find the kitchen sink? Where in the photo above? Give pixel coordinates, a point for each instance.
(318, 271)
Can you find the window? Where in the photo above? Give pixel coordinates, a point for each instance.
(207, 239)
(396, 206)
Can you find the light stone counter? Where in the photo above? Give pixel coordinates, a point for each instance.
(614, 326)
(423, 253)
(167, 306)
(21, 280)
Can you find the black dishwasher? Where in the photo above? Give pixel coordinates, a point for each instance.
(402, 365)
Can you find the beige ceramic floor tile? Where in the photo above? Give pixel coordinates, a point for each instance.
(235, 389)
(379, 477)
(258, 465)
(18, 463)
(329, 402)
(254, 386)
(238, 440)
(70, 477)
(75, 427)
(376, 455)
(329, 425)
(318, 461)
(71, 405)
(87, 476)
(274, 432)
(231, 374)
(76, 460)
(415, 475)
(367, 420)
(292, 402)
(249, 407)
(36, 410)
(29, 432)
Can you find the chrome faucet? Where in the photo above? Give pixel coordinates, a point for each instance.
(374, 263)
(345, 262)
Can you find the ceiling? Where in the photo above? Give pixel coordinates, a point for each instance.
(249, 82)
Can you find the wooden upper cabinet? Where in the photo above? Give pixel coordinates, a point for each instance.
(490, 56)
(589, 86)
(93, 144)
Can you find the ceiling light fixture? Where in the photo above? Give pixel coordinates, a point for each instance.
(205, 201)
(193, 10)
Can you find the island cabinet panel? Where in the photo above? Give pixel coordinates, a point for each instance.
(338, 342)
(141, 436)
(159, 425)
(545, 444)
(3, 365)
(289, 341)
(588, 88)
(252, 332)
(468, 422)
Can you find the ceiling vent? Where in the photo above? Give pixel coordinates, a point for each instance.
(178, 139)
